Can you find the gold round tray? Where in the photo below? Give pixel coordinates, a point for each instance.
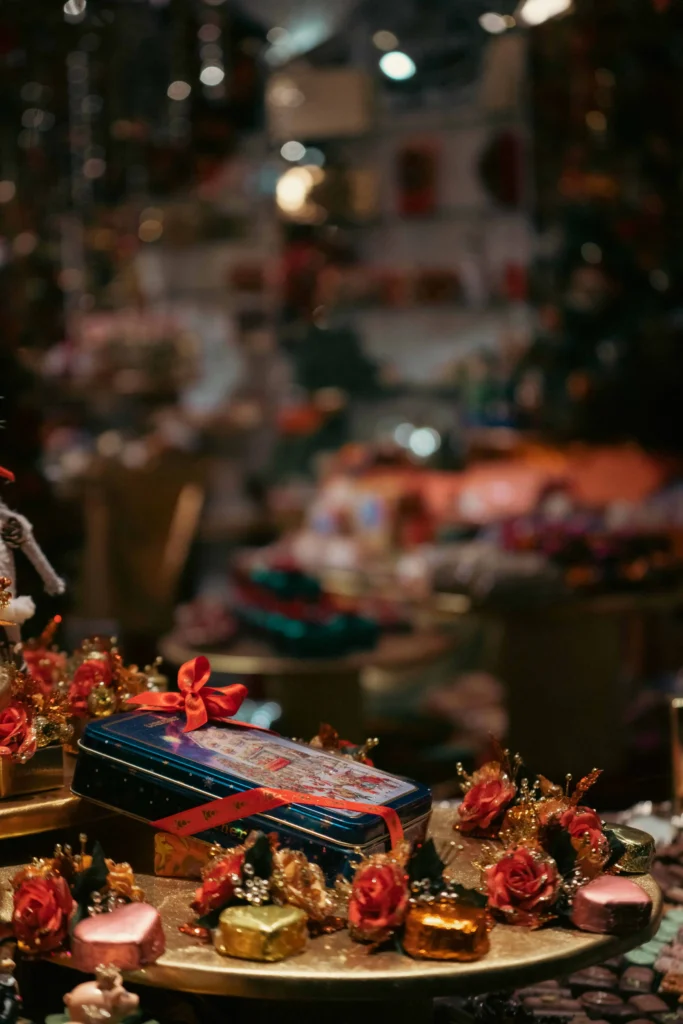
(334, 968)
(256, 657)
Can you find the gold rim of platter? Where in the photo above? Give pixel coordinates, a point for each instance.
(334, 968)
(252, 657)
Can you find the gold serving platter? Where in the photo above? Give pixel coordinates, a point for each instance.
(333, 968)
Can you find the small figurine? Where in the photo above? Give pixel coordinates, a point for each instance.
(17, 533)
(85, 1003)
(10, 1000)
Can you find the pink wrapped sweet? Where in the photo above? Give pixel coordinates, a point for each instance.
(127, 938)
(611, 905)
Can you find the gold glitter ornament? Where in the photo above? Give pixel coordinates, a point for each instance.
(47, 730)
(101, 701)
(155, 680)
(521, 823)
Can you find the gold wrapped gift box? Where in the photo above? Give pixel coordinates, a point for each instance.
(446, 930)
(43, 771)
(639, 849)
(261, 933)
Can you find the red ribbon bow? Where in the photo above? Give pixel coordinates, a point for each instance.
(201, 703)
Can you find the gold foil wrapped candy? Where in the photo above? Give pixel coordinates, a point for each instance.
(261, 933)
(446, 930)
(639, 849)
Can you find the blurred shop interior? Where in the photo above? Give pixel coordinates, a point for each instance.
(342, 340)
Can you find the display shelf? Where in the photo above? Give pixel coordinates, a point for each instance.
(336, 969)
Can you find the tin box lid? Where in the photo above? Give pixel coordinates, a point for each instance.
(218, 760)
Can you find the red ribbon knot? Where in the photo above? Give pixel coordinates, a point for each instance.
(201, 703)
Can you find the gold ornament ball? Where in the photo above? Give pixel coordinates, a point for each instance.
(45, 730)
(101, 701)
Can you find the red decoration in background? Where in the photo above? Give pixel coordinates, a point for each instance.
(89, 674)
(417, 170)
(660, 5)
(6, 474)
(201, 703)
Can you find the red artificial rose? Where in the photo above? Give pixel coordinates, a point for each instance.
(17, 738)
(44, 667)
(583, 824)
(42, 909)
(379, 900)
(87, 676)
(217, 885)
(522, 886)
(486, 800)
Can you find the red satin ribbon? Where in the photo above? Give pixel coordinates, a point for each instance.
(260, 801)
(201, 703)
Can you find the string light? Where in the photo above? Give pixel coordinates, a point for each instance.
(493, 23)
(211, 75)
(277, 35)
(179, 91)
(397, 66)
(293, 151)
(535, 12)
(385, 40)
(75, 10)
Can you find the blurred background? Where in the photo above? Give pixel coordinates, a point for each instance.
(343, 340)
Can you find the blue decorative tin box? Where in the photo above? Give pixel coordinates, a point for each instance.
(144, 765)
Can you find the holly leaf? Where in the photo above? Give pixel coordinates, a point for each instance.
(85, 883)
(210, 920)
(558, 844)
(425, 863)
(617, 849)
(260, 857)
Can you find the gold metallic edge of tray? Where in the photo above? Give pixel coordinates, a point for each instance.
(334, 968)
(392, 652)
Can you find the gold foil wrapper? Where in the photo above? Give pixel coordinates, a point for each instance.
(639, 853)
(446, 930)
(261, 933)
(180, 856)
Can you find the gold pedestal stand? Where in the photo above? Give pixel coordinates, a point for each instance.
(44, 812)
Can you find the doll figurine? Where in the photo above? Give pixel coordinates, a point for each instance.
(16, 533)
